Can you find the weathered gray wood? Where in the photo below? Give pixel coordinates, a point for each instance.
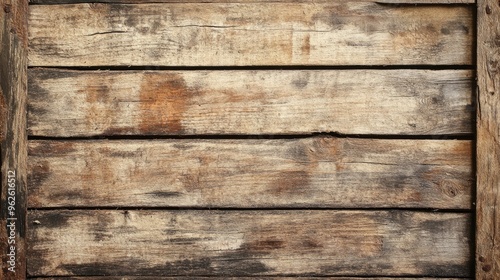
(314, 172)
(13, 76)
(237, 243)
(488, 141)
(412, 102)
(225, 34)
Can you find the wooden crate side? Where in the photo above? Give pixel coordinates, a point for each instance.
(249, 243)
(66, 103)
(488, 141)
(250, 34)
(314, 172)
(13, 87)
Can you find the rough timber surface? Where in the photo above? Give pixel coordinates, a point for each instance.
(13, 87)
(64, 103)
(314, 172)
(488, 142)
(250, 34)
(246, 243)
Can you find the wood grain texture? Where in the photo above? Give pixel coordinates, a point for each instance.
(89, 103)
(313, 172)
(13, 89)
(254, 34)
(246, 243)
(488, 141)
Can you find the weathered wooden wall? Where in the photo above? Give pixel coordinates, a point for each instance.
(252, 139)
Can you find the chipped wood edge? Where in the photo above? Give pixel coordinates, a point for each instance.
(13, 82)
(488, 141)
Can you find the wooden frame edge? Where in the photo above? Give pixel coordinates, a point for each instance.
(13, 84)
(488, 141)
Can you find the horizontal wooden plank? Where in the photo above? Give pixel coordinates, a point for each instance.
(312, 172)
(233, 243)
(238, 34)
(88, 103)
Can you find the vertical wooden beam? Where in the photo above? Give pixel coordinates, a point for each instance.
(13, 85)
(488, 141)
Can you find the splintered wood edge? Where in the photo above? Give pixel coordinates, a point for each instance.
(13, 84)
(488, 141)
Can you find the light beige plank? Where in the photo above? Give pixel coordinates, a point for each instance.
(410, 102)
(237, 34)
(13, 144)
(155, 243)
(314, 172)
(488, 141)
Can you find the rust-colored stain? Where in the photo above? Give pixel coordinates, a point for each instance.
(306, 45)
(16, 13)
(291, 182)
(164, 99)
(52, 148)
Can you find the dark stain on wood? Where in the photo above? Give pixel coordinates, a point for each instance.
(264, 245)
(53, 148)
(164, 98)
(165, 194)
(54, 220)
(242, 263)
(101, 229)
(435, 269)
(302, 81)
(68, 195)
